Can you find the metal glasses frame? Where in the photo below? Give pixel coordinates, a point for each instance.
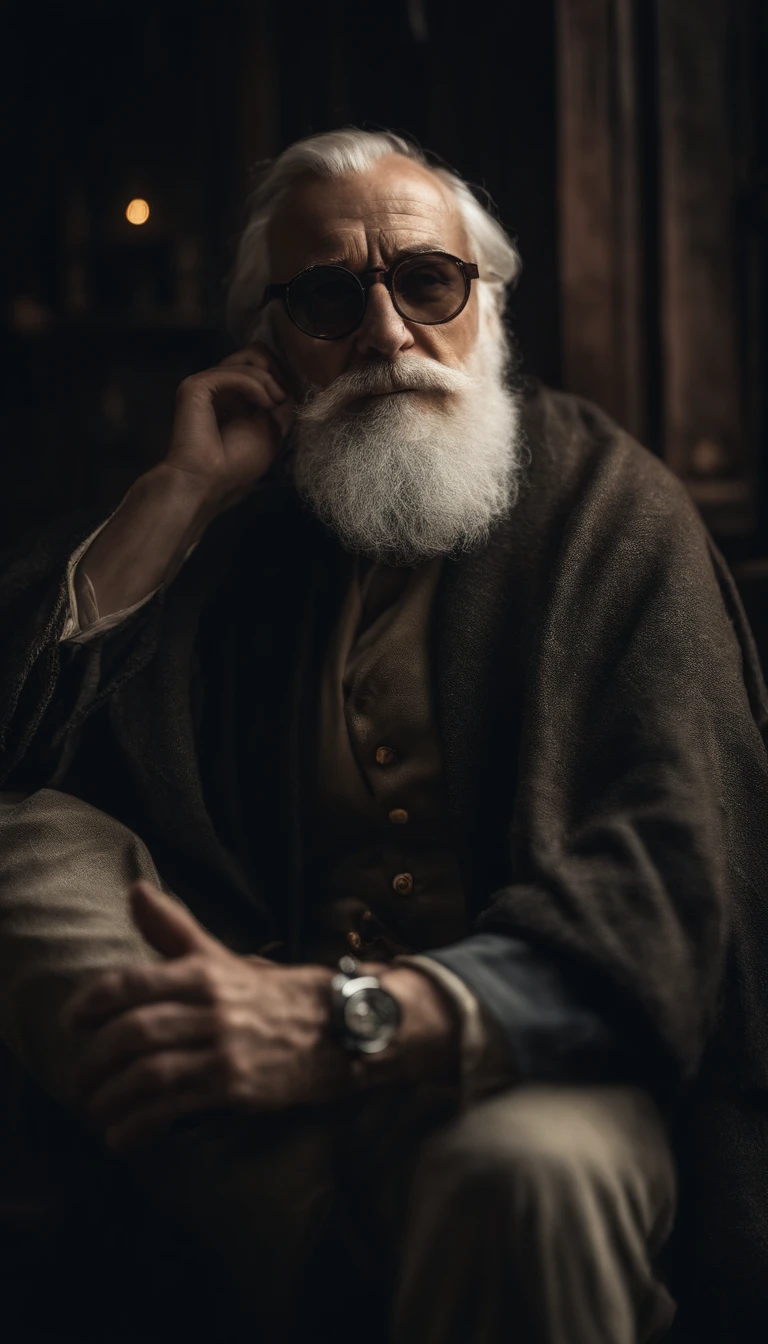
(374, 276)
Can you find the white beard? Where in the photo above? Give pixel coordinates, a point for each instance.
(404, 477)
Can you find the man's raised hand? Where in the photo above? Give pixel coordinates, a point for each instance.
(229, 423)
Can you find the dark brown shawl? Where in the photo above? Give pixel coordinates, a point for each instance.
(602, 713)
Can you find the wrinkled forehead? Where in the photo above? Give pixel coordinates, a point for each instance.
(364, 219)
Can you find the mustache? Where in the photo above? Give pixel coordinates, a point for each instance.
(412, 373)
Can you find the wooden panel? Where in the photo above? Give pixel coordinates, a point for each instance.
(601, 253)
(257, 102)
(700, 327)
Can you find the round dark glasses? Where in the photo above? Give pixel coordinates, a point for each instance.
(329, 302)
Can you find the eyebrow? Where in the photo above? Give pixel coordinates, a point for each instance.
(417, 250)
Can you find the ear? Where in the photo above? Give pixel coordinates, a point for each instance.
(165, 924)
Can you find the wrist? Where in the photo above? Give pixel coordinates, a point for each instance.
(206, 495)
(188, 498)
(147, 538)
(430, 1033)
(426, 1044)
(187, 507)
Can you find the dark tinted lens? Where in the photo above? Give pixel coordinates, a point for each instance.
(326, 301)
(429, 289)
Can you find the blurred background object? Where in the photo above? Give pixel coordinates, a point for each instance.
(624, 142)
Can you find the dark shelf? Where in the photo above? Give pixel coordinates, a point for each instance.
(116, 324)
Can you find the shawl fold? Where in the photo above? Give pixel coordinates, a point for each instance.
(603, 718)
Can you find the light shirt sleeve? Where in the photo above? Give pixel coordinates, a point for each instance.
(485, 1061)
(83, 622)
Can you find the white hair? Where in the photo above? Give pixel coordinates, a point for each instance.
(331, 154)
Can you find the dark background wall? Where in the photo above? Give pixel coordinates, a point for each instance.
(623, 141)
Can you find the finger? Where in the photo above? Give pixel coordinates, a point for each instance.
(260, 356)
(261, 391)
(264, 379)
(273, 384)
(217, 384)
(157, 1026)
(284, 415)
(154, 1076)
(151, 1120)
(188, 980)
(279, 392)
(166, 924)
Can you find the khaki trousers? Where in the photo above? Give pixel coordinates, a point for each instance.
(534, 1216)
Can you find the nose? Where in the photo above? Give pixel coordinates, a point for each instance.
(382, 330)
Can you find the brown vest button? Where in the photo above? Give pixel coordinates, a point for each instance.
(403, 884)
(398, 816)
(354, 941)
(384, 755)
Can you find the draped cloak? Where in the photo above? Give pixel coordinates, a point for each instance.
(603, 718)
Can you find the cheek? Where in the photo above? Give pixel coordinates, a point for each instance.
(452, 343)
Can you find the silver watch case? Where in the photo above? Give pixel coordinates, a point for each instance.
(365, 1014)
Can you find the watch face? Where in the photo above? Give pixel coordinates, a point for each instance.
(372, 1016)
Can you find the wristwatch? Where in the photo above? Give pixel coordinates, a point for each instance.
(364, 1015)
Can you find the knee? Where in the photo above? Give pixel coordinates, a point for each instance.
(527, 1147)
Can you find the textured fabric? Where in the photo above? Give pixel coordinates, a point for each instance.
(602, 715)
(485, 1062)
(375, 698)
(373, 822)
(83, 622)
(376, 684)
(570, 1193)
(552, 1033)
(65, 868)
(257, 1196)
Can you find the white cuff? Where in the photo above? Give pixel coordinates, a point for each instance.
(485, 1063)
(83, 621)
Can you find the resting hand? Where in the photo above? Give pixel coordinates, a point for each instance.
(203, 1030)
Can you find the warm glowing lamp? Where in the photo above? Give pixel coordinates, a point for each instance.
(137, 212)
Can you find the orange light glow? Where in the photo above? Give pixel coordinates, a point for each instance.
(137, 212)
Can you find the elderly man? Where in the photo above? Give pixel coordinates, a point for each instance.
(386, 787)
